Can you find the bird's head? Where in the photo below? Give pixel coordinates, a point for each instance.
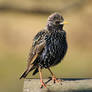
(56, 19)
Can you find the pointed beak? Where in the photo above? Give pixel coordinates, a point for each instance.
(65, 22)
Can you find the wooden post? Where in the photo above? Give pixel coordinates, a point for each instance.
(68, 85)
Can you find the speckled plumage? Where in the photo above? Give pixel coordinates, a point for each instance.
(49, 45)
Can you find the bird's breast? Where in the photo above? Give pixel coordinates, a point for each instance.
(55, 49)
(56, 44)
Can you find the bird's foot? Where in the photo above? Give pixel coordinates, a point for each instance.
(43, 85)
(55, 79)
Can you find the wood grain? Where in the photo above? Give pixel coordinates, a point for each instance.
(68, 85)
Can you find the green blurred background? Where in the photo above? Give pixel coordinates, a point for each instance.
(20, 20)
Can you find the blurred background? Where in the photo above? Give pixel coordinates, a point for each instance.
(20, 20)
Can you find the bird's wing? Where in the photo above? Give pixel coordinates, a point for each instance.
(37, 47)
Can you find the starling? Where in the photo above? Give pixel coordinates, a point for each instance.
(48, 48)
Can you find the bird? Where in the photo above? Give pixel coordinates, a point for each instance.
(48, 48)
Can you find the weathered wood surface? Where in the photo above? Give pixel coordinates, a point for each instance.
(68, 85)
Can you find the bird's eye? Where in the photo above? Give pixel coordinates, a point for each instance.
(57, 22)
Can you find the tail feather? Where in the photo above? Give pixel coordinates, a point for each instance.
(26, 72)
(35, 71)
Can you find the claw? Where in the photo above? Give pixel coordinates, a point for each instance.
(55, 79)
(43, 85)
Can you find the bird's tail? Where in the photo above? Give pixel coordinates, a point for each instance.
(26, 72)
(35, 71)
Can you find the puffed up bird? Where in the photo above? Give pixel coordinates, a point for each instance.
(48, 48)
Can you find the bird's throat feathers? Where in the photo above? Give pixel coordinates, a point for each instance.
(52, 27)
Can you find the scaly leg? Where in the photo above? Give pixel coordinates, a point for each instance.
(41, 80)
(54, 77)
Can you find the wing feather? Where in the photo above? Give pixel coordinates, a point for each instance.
(37, 46)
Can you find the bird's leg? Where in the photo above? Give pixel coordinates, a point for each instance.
(54, 77)
(41, 80)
